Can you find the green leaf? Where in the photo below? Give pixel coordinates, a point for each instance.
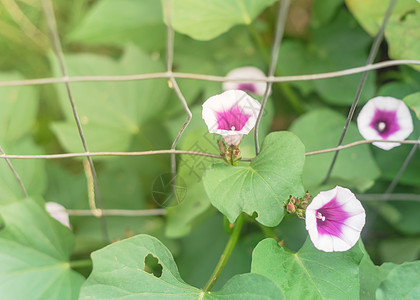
(399, 250)
(205, 20)
(328, 50)
(34, 255)
(413, 102)
(264, 185)
(31, 172)
(111, 113)
(354, 168)
(401, 283)
(402, 30)
(309, 273)
(133, 21)
(120, 271)
(371, 276)
(19, 106)
(323, 11)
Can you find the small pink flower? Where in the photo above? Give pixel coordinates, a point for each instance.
(334, 220)
(257, 87)
(58, 212)
(385, 118)
(231, 114)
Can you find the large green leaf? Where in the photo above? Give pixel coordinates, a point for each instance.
(139, 22)
(403, 29)
(34, 255)
(328, 50)
(264, 185)
(401, 283)
(309, 273)
(207, 19)
(321, 129)
(122, 271)
(111, 113)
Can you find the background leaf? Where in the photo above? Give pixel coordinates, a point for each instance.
(205, 20)
(320, 129)
(138, 22)
(111, 113)
(401, 283)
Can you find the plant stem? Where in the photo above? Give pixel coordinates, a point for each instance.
(81, 263)
(226, 253)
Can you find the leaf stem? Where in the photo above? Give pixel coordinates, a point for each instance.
(226, 253)
(81, 263)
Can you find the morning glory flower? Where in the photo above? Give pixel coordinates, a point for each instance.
(385, 118)
(231, 114)
(257, 88)
(58, 212)
(334, 220)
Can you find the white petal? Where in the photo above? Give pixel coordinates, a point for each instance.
(224, 102)
(246, 72)
(58, 212)
(232, 139)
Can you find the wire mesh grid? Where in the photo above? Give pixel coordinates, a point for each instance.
(94, 195)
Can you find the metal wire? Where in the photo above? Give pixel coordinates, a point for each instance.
(52, 25)
(172, 76)
(372, 54)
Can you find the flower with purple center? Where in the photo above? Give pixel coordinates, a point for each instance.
(334, 220)
(385, 118)
(257, 87)
(231, 114)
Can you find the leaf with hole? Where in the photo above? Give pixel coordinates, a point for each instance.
(205, 20)
(309, 273)
(264, 185)
(142, 267)
(34, 255)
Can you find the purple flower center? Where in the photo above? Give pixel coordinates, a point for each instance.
(385, 122)
(233, 119)
(247, 87)
(331, 218)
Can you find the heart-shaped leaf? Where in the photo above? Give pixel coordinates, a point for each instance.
(142, 267)
(309, 273)
(34, 255)
(264, 185)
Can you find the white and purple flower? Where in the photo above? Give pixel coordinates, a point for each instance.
(231, 114)
(58, 212)
(385, 118)
(256, 87)
(334, 220)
